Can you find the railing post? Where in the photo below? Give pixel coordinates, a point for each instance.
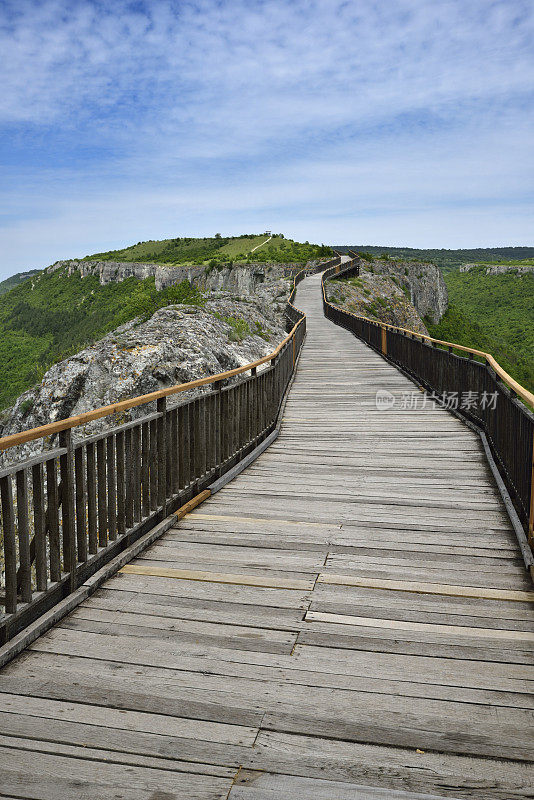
(531, 513)
(10, 547)
(66, 468)
(25, 575)
(162, 453)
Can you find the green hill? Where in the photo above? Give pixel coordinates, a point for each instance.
(186, 250)
(494, 313)
(55, 315)
(14, 280)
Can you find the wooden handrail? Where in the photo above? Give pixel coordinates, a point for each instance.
(124, 405)
(524, 394)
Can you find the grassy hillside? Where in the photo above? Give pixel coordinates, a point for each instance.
(14, 280)
(188, 250)
(55, 315)
(449, 260)
(494, 313)
(62, 314)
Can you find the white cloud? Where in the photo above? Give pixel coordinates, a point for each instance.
(210, 112)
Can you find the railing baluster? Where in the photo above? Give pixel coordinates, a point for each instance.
(153, 464)
(162, 451)
(129, 478)
(81, 499)
(23, 527)
(136, 473)
(112, 487)
(145, 469)
(121, 485)
(39, 535)
(66, 467)
(10, 547)
(102, 491)
(52, 514)
(91, 499)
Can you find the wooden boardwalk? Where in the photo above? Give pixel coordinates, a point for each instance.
(355, 624)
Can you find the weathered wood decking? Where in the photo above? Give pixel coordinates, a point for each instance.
(362, 628)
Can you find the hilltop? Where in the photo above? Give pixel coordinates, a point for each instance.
(221, 249)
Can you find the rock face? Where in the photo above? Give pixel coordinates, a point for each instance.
(424, 282)
(376, 297)
(499, 269)
(177, 344)
(240, 278)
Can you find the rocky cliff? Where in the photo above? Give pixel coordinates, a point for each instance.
(376, 297)
(423, 282)
(241, 278)
(499, 269)
(177, 344)
(399, 293)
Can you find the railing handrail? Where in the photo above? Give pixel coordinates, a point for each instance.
(520, 391)
(52, 428)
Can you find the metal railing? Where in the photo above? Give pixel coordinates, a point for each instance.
(442, 368)
(70, 510)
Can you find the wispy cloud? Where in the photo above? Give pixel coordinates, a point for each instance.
(330, 119)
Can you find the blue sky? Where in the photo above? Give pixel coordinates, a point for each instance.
(406, 123)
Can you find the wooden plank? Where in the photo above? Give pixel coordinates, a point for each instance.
(216, 577)
(124, 719)
(201, 755)
(201, 675)
(390, 768)
(428, 588)
(261, 785)
(453, 630)
(168, 588)
(55, 777)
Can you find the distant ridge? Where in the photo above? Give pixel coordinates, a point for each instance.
(14, 280)
(446, 259)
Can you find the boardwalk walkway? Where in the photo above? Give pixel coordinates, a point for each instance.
(364, 629)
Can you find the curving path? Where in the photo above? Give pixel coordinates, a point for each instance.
(363, 628)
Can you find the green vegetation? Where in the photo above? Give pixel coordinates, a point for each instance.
(64, 313)
(449, 260)
(219, 249)
(239, 328)
(494, 313)
(14, 280)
